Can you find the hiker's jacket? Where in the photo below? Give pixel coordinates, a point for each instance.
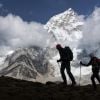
(64, 55)
(95, 62)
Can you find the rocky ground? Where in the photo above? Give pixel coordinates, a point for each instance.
(14, 89)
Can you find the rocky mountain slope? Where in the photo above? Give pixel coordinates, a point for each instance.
(27, 63)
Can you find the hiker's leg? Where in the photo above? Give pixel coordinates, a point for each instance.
(62, 73)
(70, 74)
(93, 81)
(98, 77)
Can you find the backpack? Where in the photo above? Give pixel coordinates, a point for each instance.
(96, 62)
(68, 53)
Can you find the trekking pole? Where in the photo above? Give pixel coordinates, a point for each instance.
(80, 76)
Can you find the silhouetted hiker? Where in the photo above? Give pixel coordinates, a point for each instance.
(95, 62)
(66, 56)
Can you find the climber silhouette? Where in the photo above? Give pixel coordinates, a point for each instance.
(66, 56)
(95, 62)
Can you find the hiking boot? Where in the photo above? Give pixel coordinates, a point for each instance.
(64, 83)
(73, 84)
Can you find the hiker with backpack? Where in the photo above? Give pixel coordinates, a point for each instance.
(95, 62)
(66, 56)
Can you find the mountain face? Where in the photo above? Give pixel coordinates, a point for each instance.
(65, 27)
(27, 63)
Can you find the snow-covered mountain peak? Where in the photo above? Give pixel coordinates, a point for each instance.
(65, 26)
(69, 12)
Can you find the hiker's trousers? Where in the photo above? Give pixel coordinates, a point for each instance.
(66, 65)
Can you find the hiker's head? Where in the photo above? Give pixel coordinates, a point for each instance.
(67, 47)
(58, 46)
(91, 55)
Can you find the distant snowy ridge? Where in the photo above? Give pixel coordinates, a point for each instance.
(27, 63)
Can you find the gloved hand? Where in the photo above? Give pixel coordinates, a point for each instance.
(58, 60)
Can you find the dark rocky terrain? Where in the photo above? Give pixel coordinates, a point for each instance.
(14, 89)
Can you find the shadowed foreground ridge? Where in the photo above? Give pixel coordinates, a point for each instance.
(13, 89)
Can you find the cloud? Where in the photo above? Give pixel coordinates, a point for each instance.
(91, 33)
(15, 32)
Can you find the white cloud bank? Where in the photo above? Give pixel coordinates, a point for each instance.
(91, 33)
(14, 33)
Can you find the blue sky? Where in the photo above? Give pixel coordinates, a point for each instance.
(42, 10)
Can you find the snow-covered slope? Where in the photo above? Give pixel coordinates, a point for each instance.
(27, 63)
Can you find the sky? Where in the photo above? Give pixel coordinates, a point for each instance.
(42, 10)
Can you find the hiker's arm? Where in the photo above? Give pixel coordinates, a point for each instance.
(86, 64)
(62, 59)
(59, 60)
(99, 61)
